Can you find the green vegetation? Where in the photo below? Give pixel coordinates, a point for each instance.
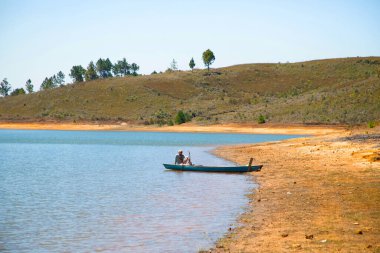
(208, 58)
(91, 73)
(192, 64)
(104, 67)
(182, 117)
(29, 86)
(173, 65)
(371, 124)
(77, 72)
(5, 87)
(261, 119)
(121, 68)
(329, 91)
(19, 91)
(48, 83)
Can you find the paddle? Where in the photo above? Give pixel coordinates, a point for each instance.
(250, 165)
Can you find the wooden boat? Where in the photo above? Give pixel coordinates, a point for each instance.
(240, 169)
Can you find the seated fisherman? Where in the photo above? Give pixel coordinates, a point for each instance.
(181, 159)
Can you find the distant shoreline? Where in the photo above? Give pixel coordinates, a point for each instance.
(188, 127)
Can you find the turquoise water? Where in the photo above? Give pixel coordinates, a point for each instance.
(78, 191)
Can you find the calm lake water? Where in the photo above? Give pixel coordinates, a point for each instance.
(79, 191)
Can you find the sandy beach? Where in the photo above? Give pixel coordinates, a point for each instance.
(316, 194)
(188, 127)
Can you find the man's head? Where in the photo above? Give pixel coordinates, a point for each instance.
(180, 152)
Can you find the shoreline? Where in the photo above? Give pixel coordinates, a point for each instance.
(296, 129)
(315, 194)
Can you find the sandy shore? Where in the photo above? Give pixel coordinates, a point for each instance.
(317, 194)
(221, 128)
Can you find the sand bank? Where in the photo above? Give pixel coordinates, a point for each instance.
(317, 194)
(220, 128)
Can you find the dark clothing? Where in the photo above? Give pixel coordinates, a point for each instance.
(179, 159)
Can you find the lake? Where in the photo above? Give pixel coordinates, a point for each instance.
(97, 191)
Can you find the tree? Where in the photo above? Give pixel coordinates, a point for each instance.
(173, 65)
(29, 86)
(121, 68)
(192, 64)
(91, 72)
(54, 80)
(116, 69)
(18, 91)
(5, 87)
(60, 79)
(77, 73)
(124, 67)
(208, 58)
(134, 68)
(48, 83)
(104, 67)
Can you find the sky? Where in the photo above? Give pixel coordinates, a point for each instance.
(40, 38)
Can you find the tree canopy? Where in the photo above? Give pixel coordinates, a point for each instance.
(121, 68)
(192, 64)
(60, 78)
(29, 86)
(76, 73)
(134, 68)
(48, 83)
(5, 87)
(208, 58)
(104, 67)
(91, 72)
(18, 91)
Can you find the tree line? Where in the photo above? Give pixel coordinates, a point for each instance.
(103, 68)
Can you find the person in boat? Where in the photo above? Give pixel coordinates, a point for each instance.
(181, 159)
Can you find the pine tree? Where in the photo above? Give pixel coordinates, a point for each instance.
(29, 86)
(5, 87)
(60, 79)
(77, 73)
(91, 72)
(192, 64)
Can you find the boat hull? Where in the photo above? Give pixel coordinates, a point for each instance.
(235, 169)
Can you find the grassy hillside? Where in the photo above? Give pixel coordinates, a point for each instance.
(322, 91)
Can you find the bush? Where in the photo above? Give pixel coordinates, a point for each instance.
(261, 119)
(19, 91)
(371, 124)
(182, 117)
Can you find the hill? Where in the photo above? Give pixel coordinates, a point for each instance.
(345, 90)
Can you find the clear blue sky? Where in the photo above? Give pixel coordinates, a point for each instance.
(40, 38)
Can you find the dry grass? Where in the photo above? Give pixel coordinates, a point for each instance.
(324, 91)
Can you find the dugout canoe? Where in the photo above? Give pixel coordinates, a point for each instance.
(201, 168)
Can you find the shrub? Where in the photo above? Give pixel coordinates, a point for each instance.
(371, 124)
(261, 119)
(182, 117)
